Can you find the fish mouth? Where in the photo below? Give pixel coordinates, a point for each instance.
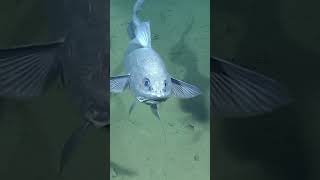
(151, 101)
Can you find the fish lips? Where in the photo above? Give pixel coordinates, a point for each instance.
(155, 101)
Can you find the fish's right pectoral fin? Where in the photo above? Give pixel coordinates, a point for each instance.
(119, 83)
(184, 90)
(24, 70)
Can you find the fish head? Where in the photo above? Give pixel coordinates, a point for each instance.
(152, 87)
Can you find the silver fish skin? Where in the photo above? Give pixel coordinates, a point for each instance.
(146, 74)
(149, 78)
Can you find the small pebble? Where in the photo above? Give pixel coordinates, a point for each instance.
(196, 157)
(113, 173)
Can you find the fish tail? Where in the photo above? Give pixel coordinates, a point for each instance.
(137, 30)
(137, 7)
(135, 19)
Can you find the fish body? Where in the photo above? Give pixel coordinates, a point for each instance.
(145, 66)
(146, 73)
(78, 58)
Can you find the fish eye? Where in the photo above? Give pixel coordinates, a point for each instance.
(146, 82)
(165, 83)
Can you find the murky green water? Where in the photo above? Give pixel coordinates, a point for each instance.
(180, 33)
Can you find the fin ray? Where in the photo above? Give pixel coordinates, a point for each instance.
(239, 92)
(119, 83)
(184, 90)
(36, 76)
(19, 63)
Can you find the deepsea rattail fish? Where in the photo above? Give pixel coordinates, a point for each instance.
(79, 58)
(146, 75)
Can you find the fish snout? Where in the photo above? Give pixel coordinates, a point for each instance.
(160, 93)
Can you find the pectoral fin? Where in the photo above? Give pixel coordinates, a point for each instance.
(119, 83)
(154, 109)
(239, 92)
(184, 90)
(24, 70)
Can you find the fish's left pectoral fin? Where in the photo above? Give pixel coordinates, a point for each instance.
(184, 90)
(154, 109)
(119, 83)
(24, 70)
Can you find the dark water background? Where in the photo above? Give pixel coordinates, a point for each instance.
(279, 38)
(33, 132)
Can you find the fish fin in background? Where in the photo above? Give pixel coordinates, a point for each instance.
(154, 109)
(184, 90)
(24, 69)
(239, 92)
(119, 83)
(71, 144)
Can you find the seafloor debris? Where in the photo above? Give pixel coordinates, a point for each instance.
(190, 124)
(155, 36)
(196, 157)
(113, 173)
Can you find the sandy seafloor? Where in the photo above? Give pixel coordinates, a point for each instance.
(140, 149)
